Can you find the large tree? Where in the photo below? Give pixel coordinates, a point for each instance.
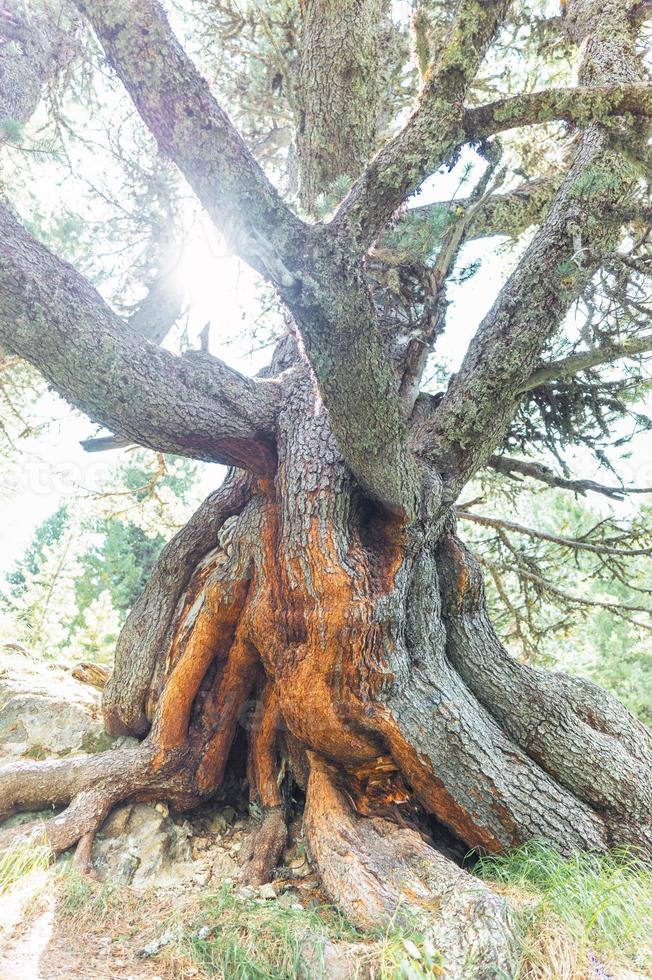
(325, 581)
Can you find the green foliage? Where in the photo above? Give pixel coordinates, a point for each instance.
(47, 535)
(119, 563)
(11, 130)
(418, 237)
(71, 591)
(566, 608)
(605, 901)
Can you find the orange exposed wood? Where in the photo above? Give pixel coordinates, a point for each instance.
(236, 683)
(311, 622)
(263, 764)
(215, 614)
(435, 797)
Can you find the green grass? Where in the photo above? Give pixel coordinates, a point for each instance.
(249, 940)
(245, 939)
(602, 903)
(22, 858)
(79, 894)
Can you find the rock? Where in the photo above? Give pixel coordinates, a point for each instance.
(45, 712)
(267, 891)
(246, 892)
(220, 822)
(157, 944)
(323, 959)
(141, 846)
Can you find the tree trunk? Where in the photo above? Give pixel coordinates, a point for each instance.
(378, 683)
(327, 588)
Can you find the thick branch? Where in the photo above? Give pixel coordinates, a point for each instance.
(32, 46)
(337, 119)
(176, 104)
(510, 213)
(195, 406)
(604, 354)
(574, 105)
(432, 134)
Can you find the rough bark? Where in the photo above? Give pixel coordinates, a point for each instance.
(473, 417)
(337, 91)
(363, 639)
(177, 106)
(35, 44)
(193, 405)
(432, 134)
(148, 629)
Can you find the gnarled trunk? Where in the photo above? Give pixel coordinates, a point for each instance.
(378, 684)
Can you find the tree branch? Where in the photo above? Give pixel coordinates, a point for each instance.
(336, 135)
(40, 44)
(195, 406)
(508, 466)
(616, 607)
(573, 240)
(510, 213)
(604, 354)
(432, 134)
(573, 543)
(579, 106)
(176, 104)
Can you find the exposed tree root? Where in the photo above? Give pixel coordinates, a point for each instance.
(94, 674)
(263, 854)
(149, 631)
(83, 851)
(580, 735)
(379, 687)
(379, 873)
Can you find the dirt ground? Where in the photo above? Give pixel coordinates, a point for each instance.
(42, 939)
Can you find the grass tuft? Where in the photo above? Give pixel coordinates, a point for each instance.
(583, 915)
(22, 858)
(80, 895)
(246, 939)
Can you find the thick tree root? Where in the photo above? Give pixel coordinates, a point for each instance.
(378, 873)
(583, 737)
(88, 788)
(148, 634)
(83, 851)
(265, 849)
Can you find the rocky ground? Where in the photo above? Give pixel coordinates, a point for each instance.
(154, 868)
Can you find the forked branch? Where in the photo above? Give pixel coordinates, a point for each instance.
(474, 416)
(176, 104)
(431, 135)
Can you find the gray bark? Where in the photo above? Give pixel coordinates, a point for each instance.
(337, 91)
(472, 419)
(195, 405)
(35, 42)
